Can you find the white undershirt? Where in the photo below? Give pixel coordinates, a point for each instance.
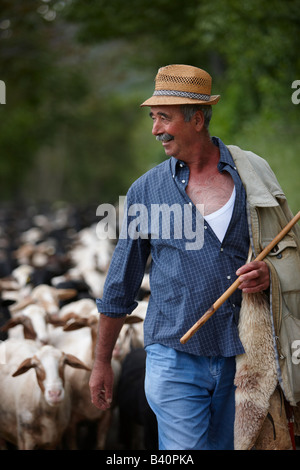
(220, 219)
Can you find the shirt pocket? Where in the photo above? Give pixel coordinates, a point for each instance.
(286, 260)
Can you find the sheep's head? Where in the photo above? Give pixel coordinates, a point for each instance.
(34, 320)
(49, 364)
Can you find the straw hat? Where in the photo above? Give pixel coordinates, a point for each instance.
(182, 84)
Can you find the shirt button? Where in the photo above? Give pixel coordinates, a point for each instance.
(228, 277)
(183, 181)
(205, 226)
(173, 176)
(181, 164)
(190, 203)
(221, 249)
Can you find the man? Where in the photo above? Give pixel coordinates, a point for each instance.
(190, 387)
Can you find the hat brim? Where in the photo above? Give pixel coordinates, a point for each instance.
(175, 100)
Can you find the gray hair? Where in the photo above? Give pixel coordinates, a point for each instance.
(188, 111)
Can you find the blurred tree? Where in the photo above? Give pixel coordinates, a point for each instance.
(250, 46)
(65, 132)
(259, 41)
(41, 90)
(70, 128)
(160, 29)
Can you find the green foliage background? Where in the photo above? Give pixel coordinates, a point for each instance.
(76, 72)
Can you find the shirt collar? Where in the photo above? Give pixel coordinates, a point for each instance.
(225, 157)
(174, 164)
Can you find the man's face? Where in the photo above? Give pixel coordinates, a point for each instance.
(169, 127)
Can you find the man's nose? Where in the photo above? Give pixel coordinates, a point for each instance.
(157, 128)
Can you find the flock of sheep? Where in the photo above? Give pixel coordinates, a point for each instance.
(49, 324)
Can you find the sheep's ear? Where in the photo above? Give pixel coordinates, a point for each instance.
(130, 319)
(29, 332)
(55, 319)
(25, 366)
(76, 324)
(11, 323)
(65, 294)
(21, 304)
(75, 362)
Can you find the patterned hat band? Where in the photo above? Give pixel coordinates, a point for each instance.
(182, 94)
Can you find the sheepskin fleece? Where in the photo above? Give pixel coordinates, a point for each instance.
(274, 434)
(256, 377)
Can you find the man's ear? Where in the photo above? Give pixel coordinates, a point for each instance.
(199, 120)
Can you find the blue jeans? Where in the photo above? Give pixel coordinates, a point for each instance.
(192, 398)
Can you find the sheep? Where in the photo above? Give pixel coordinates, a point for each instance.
(91, 256)
(78, 337)
(35, 254)
(35, 397)
(4, 316)
(82, 288)
(97, 250)
(34, 311)
(79, 315)
(30, 323)
(131, 335)
(80, 308)
(92, 280)
(87, 256)
(15, 287)
(22, 274)
(75, 315)
(46, 296)
(4, 313)
(133, 407)
(135, 413)
(88, 274)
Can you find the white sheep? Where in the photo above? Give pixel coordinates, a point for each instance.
(78, 337)
(35, 402)
(81, 308)
(131, 335)
(91, 257)
(46, 296)
(29, 323)
(15, 287)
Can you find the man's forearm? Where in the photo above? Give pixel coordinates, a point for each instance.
(109, 329)
(102, 377)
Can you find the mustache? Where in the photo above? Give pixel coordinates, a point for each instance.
(164, 137)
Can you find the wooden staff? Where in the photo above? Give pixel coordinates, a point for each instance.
(237, 282)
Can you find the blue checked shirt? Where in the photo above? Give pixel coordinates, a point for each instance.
(184, 282)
